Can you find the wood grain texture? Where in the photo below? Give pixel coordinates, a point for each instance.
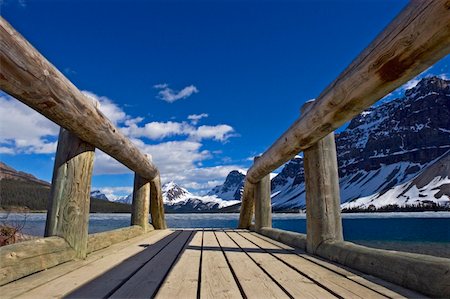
(98, 278)
(183, 280)
(26, 75)
(140, 207)
(417, 38)
(293, 282)
(145, 283)
(22, 259)
(102, 240)
(263, 206)
(68, 207)
(423, 273)
(247, 205)
(337, 284)
(217, 279)
(157, 204)
(323, 209)
(26, 284)
(260, 285)
(381, 286)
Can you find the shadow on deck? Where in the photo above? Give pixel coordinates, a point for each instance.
(201, 264)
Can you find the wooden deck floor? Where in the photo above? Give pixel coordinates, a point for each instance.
(201, 264)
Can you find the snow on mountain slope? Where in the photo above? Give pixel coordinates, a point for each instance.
(382, 150)
(432, 185)
(99, 195)
(232, 188)
(179, 199)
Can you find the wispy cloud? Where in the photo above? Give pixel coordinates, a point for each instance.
(195, 118)
(169, 95)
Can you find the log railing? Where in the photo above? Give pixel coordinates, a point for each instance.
(27, 76)
(417, 38)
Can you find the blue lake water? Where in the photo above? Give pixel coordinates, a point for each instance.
(408, 231)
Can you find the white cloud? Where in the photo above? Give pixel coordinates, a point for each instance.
(195, 118)
(104, 164)
(108, 107)
(161, 130)
(219, 132)
(169, 95)
(23, 130)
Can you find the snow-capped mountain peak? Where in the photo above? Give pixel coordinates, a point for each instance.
(99, 195)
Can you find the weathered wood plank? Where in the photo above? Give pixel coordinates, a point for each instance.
(386, 288)
(417, 38)
(287, 237)
(102, 240)
(183, 279)
(255, 283)
(263, 207)
(22, 259)
(296, 284)
(323, 201)
(29, 77)
(217, 279)
(68, 207)
(156, 204)
(145, 283)
(140, 208)
(99, 278)
(26, 284)
(335, 283)
(414, 271)
(247, 205)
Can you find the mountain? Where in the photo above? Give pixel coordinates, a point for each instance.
(21, 191)
(126, 199)
(99, 195)
(232, 188)
(9, 173)
(386, 148)
(430, 187)
(177, 199)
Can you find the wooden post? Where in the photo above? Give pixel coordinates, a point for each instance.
(68, 207)
(263, 207)
(247, 205)
(323, 212)
(156, 204)
(141, 202)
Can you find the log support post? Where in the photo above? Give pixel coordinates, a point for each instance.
(141, 202)
(156, 204)
(323, 212)
(263, 207)
(68, 207)
(247, 205)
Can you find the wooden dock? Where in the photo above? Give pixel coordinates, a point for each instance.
(201, 264)
(146, 260)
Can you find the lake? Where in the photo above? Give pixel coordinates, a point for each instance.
(422, 232)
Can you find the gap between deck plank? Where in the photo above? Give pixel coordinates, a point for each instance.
(183, 279)
(217, 278)
(330, 280)
(145, 282)
(376, 284)
(33, 281)
(296, 284)
(255, 282)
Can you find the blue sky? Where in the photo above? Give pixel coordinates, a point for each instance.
(203, 86)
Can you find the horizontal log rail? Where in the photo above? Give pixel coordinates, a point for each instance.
(417, 38)
(29, 77)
